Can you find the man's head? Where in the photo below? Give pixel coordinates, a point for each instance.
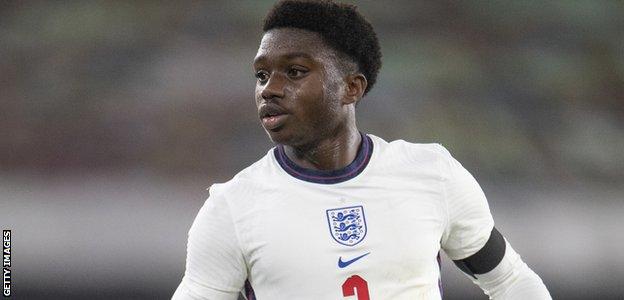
(316, 60)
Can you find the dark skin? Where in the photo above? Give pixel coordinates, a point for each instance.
(314, 92)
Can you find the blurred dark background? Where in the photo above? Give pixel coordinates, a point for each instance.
(116, 116)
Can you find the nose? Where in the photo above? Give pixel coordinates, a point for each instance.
(274, 88)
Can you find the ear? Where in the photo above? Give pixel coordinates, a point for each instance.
(356, 85)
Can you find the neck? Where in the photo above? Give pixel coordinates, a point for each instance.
(329, 153)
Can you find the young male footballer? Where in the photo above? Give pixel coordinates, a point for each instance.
(331, 212)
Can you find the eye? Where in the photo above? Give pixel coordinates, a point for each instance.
(296, 72)
(262, 76)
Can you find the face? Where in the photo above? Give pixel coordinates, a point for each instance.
(299, 88)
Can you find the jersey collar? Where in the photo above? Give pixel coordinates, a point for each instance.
(328, 177)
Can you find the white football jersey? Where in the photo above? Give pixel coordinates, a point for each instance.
(372, 230)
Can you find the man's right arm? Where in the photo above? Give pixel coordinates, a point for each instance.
(215, 267)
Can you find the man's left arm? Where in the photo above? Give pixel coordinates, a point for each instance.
(475, 245)
(500, 272)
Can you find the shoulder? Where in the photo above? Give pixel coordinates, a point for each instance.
(248, 180)
(411, 150)
(418, 155)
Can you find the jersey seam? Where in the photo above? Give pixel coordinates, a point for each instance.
(443, 182)
(238, 240)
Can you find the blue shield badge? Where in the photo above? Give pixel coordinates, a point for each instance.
(347, 225)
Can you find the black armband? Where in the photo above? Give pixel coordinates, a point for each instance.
(487, 258)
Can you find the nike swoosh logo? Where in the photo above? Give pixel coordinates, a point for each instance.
(343, 264)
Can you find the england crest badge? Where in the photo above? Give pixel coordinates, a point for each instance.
(347, 225)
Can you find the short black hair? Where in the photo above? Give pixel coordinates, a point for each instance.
(342, 27)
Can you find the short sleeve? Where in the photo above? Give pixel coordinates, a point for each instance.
(215, 267)
(469, 221)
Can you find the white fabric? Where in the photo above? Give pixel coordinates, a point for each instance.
(212, 249)
(512, 279)
(271, 228)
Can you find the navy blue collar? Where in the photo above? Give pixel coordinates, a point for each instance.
(327, 177)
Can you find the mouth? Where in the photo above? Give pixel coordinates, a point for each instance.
(272, 116)
(274, 122)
